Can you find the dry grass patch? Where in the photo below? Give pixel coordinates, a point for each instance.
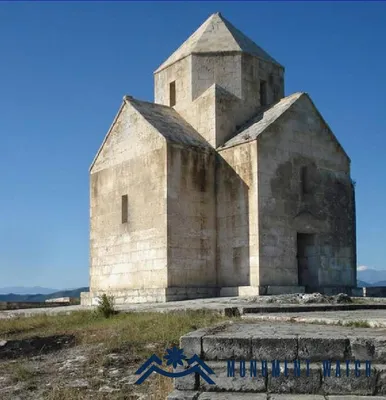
(136, 330)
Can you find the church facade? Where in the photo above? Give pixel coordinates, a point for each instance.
(223, 186)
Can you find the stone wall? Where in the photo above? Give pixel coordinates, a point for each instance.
(299, 139)
(217, 93)
(222, 69)
(237, 218)
(191, 217)
(132, 162)
(180, 72)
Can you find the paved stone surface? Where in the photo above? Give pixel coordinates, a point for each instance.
(272, 307)
(180, 395)
(373, 318)
(351, 397)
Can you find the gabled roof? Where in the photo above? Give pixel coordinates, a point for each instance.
(168, 123)
(266, 117)
(217, 35)
(165, 120)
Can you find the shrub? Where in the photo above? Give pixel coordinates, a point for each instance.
(106, 306)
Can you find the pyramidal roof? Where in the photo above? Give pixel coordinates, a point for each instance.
(215, 35)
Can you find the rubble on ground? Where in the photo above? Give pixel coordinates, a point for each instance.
(304, 298)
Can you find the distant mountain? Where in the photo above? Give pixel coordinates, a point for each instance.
(27, 290)
(371, 276)
(42, 297)
(362, 284)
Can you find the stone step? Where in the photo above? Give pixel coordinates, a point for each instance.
(312, 378)
(285, 341)
(192, 395)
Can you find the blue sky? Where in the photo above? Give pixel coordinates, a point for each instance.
(66, 66)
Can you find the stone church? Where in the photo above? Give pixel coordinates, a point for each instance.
(223, 186)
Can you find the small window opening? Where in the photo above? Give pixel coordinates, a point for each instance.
(125, 210)
(304, 176)
(172, 93)
(275, 93)
(263, 93)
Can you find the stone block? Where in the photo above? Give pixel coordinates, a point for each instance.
(292, 383)
(187, 382)
(296, 397)
(274, 348)
(319, 348)
(276, 290)
(235, 383)
(232, 396)
(183, 395)
(362, 348)
(354, 397)
(379, 350)
(356, 385)
(381, 379)
(192, 342)
(226, 347)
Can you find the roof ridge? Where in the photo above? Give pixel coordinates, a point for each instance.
(217, 35)
(265, 117)
(130, 99)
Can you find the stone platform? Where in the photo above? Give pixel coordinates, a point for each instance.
(234, 350)
(178, 395)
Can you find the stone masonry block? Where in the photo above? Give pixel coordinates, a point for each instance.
(226, 347)
(183, 395)
(381, 379)
(296, 397)
(292, 383)
(353, 397)
(274, 348)
(234, 383)
(192, 342)
(352, 384)
(319, 349)
(233, 396)
(362, 348)
(187, 382)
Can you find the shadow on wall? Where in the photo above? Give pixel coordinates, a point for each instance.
(233, 236)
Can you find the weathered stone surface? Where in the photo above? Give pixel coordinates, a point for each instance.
(277, 348)
(235, 383)
(192, 342)
(304, 383)
(207, 187)
(183, 395)
(319, 348)
(233, 396)
(354, 397)
(360, 385)
(187, 382)
(275, 396)
(381, 379)
(225, 347)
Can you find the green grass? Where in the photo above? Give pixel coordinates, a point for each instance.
(356, 324)
(137, 329)
(135, 334)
